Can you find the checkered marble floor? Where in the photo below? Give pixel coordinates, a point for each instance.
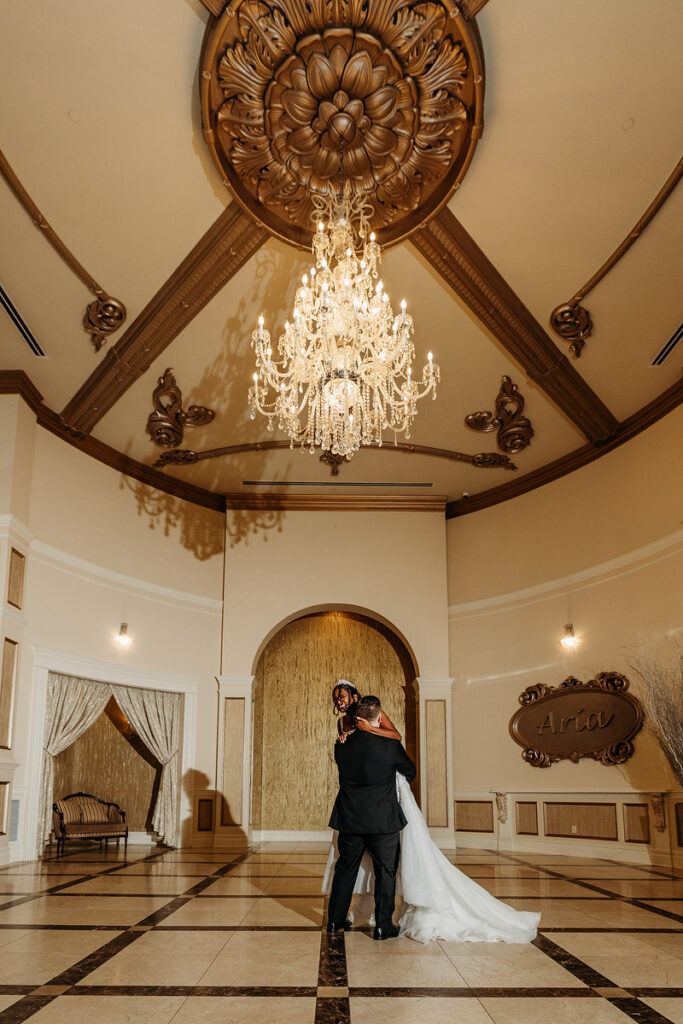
(194, 936)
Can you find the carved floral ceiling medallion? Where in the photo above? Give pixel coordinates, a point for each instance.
(396, 86)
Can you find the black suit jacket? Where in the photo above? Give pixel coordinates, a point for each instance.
(367, 803)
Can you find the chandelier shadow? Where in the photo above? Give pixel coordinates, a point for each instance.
(343, 372)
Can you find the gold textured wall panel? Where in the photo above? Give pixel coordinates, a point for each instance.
(103, 762)
(436, 764)
(15, 581)
(591, 821)
(233, 760)
(526, 817)
(474, 816)
(4, 807)
(7, 680)
(295, 777)
(636, 823)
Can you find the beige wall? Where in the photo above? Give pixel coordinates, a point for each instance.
(390, 564)
(101, 549)
(601, 548)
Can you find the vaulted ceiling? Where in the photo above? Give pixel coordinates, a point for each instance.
(101, 128)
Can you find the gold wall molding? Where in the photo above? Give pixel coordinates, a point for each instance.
(570, 320)
(514, 430)
(293, 94)
(335, 502)
(166, 423)
(628, 428)
(454, 254)
(482, 460)
(104, 314)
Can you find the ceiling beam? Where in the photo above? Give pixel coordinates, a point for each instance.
(468, 7)
(220, 253)
(454, 254)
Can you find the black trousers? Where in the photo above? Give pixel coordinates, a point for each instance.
(384, 851)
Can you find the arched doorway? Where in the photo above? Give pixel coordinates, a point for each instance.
(294, 776)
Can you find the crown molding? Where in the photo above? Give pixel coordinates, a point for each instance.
(628, 428)
(228, 244)
(55, 558)
(454, 254)
(336, 503)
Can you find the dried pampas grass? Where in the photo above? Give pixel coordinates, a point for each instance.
(661, 676)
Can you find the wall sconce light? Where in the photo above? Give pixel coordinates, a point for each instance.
(569, 641)
(123, 638)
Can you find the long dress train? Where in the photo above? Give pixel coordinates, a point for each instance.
(439, 901)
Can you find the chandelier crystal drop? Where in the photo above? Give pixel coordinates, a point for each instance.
(343, 370)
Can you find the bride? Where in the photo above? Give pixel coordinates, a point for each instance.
(439, 901)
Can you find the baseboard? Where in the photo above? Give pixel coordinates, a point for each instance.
(280, 836)
(591, 848)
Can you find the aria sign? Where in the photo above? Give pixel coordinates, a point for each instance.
(596, 719)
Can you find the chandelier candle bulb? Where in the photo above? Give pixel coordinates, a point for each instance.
(343, 374)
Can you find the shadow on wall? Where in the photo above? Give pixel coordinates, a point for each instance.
(223, 387)
(197, 531)
(210, 811)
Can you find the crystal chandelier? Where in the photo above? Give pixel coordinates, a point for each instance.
(343, 373)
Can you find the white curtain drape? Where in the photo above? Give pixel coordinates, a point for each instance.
(155, 716)
(72, 707)
(74, 704)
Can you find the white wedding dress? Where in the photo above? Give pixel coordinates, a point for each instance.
(439, 901)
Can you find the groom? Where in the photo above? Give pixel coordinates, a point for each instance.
(368, 817)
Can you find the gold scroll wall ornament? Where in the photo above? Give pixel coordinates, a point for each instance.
(572, 321)
(514, 429)
(286, 86)
(104, 314)
(166, 424)
(186, 457)
(597, 719)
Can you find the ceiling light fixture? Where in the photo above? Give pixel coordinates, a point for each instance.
(569, 641)
(343, 373)
(123, 638)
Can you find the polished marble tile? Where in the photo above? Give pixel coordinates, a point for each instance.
(161, 958)
(502, 965)
(267, 958)
(36, 956)
(252, 870)
(303, 886)
(287, 911)
(132, 885)
(109, 1010)
(6, 1001)
(239, 885)
(556, 1010)
(247, 1010)
(666, 941)
(503, 887)
(647, 888)
(302, 870)
(398, 963)
(670, 1007)
(416, 1010)
(151, 869)
(612, 913)
(208, 912)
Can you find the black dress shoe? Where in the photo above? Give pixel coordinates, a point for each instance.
(385, 933)
(332, 926)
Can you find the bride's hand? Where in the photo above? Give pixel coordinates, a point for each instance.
(342, 735)
(363, 725)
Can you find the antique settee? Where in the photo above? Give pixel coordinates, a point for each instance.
(82, 816)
